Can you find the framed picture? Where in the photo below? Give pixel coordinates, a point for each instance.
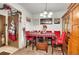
(46, 21)
(57, 21)
(28, 19)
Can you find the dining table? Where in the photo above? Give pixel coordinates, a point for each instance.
(39, 34)
(36, 34)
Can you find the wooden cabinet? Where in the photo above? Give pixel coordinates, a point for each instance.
(2, 29)
(66, 23)
(76, 16)
(15, 18)
(73, 42)
(66, 27)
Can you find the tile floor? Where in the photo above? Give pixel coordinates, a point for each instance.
(29, 51)
(9, 49)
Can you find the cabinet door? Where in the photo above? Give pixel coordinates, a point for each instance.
(15, 19)
(2, 27)
(76, 30)
(2, 23)
(76, 16)
(73, 46)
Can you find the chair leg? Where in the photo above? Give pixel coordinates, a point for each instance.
(46, 50)
(26, 43)
(33, 46)
(36, 48)
(52, 50)
(62, 49)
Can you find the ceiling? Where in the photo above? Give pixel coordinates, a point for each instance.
(35, 8)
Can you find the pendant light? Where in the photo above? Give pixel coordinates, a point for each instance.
(46, 13)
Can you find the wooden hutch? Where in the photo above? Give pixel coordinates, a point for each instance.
(71, 25)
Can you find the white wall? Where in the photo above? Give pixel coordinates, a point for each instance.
(3, 12)
(37, 26)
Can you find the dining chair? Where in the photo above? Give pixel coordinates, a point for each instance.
(57, 33)
(29, 38)
(49, 38)
(59, 42)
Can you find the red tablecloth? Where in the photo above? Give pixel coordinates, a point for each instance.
(40, 34)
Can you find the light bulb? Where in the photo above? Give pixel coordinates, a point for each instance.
(45, 12)
(41, 14)
(50, 13)
(49, 16)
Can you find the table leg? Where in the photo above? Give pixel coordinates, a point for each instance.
(33, 44)
(52, 50)
(26, 43)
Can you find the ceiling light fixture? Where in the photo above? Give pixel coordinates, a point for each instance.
(45, 13)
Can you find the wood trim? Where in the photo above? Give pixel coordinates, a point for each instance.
(70, 8)
(65, 14)
(73, 6)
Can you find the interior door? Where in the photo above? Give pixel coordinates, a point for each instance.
(2, 28)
